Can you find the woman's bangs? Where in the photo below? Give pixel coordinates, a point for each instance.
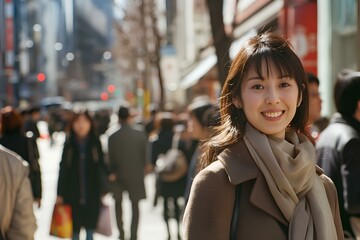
(281, 62)
(255, 62)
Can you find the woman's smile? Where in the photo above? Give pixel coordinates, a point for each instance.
(272, 115)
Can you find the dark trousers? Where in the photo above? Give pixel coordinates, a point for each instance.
(134, 219)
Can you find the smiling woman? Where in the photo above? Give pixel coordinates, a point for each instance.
(271, 100)
(262, 147)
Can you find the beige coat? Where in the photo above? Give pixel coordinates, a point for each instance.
(17, 219)
(209, 210)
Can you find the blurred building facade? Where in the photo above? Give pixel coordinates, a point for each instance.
(62, 47)
(323, 50)
(52, 47)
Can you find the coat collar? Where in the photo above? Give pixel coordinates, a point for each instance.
(240, 167)
(238, 163)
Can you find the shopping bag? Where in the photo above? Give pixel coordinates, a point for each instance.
(61, 221)
(103, 226)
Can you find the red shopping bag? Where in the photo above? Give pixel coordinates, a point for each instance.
(104, 221)
(61, 221)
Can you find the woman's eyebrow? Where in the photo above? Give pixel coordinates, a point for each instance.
(256, 77)
(285, 75)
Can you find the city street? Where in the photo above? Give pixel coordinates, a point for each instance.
(151, 226)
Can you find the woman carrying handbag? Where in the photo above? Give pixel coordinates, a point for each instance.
(80, 174)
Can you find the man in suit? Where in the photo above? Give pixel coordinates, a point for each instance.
(127, 148)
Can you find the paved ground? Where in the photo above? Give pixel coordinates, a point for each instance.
(151, 226)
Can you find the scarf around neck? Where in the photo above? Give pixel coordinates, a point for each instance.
(290, 172)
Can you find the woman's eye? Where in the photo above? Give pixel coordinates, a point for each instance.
(257, 87)
(284, 85)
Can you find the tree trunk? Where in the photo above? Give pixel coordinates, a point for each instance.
(221, 40)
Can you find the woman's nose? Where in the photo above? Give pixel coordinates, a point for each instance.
(272, 96)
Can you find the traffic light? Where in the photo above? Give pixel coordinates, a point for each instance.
(104, 96)
(111, 88)
(41, 77)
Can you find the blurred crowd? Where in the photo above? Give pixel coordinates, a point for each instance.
(90, 168)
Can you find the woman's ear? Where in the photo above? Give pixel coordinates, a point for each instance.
(300, 96)
(299, 99)
(236, 102)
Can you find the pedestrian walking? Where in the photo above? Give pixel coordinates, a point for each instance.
(204, 116)
(315, 103)
(31, 121)
(17, 219)
(80, 176)
(339, 149)
(127, 150)
(171, 191)
(13, 138)
(259, 178)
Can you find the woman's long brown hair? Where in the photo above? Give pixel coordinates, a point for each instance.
(274, 50)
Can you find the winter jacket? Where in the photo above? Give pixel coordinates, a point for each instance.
(128, 151)
(339, 155)
(28, 150)
(81, 186)
(209, 217)
(17, 219)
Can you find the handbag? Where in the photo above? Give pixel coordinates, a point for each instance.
(61, 221)
(235, 215)
(103, 226)
(172, 165)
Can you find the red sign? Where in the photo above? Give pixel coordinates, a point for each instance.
(301, 28)
(9, 34)
(302, 31)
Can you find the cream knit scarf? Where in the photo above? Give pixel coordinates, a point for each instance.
(289, 169)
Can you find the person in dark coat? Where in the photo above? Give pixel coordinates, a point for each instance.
(204, 116)
(339, 149)
(31, 121)
(172, 191)
(127, 150)
(80, 178)
(13, 138)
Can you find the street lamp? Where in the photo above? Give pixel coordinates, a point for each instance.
(58, 46)
(70, 56)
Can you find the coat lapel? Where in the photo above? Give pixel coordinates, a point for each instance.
(240, 167)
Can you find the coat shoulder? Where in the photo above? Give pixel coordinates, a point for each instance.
(13, 160)
(329, 185)
(214, 175)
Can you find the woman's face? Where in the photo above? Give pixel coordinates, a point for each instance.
(269, 103)
(82, 126)
(315, 103)
(195, 128)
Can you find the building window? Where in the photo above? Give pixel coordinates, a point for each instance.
(345, 16)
